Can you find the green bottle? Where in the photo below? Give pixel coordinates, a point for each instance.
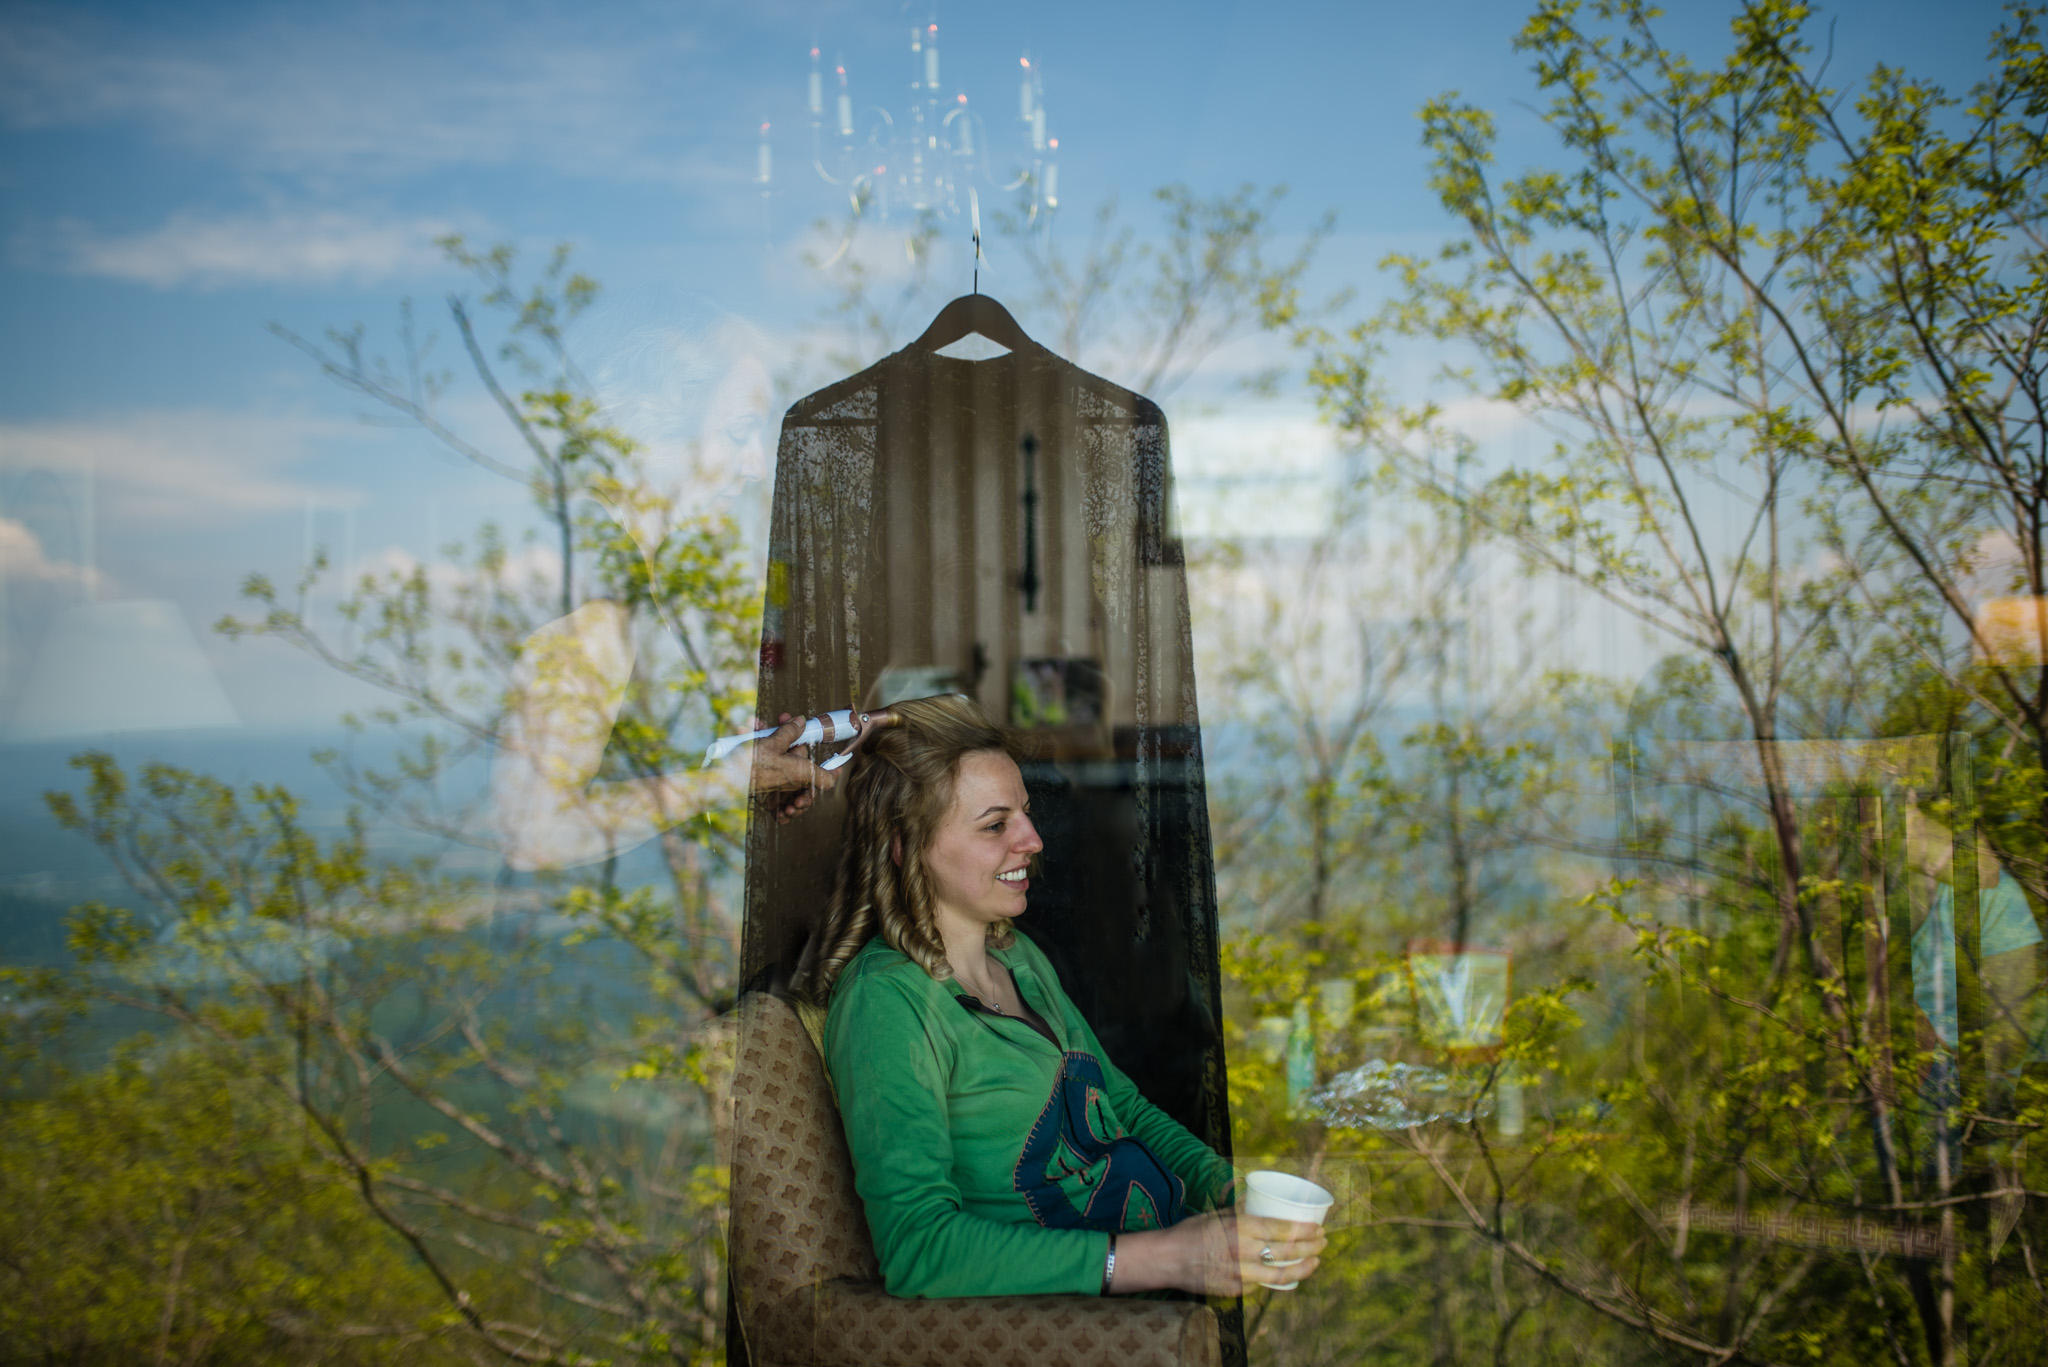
(1301, 1057)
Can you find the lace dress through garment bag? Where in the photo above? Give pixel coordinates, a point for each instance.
(1001, 528)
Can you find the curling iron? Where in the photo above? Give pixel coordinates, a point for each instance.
(827, 728)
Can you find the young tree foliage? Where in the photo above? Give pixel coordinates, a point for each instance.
(1783, 344)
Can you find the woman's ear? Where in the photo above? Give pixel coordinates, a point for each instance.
(896, 849)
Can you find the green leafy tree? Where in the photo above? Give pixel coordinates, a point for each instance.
(169, 1210)
(1782, 356)
(1411, 794)
(356, 998)
(517, 1083)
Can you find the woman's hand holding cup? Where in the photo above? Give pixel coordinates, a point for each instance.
(1276, 1253)
(1279, 1197)
(1220, 1254)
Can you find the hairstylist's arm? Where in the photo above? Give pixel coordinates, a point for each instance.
(1216, 1255)
(549, 807)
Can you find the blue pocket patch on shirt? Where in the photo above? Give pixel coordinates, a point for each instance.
(1079, 1170)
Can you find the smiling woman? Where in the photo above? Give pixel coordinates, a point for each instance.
(996, 1148)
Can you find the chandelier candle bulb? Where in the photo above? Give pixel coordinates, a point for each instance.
(1038, 128)
(1024, 92)
(966, 140)
(931, 61)
(817, 90)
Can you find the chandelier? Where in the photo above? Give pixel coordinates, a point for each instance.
(928, 157)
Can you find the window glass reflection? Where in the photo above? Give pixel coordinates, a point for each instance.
(1518, 633)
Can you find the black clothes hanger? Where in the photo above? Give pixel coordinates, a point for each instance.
(976, 312)
(973, 313)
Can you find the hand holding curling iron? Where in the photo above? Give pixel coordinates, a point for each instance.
(827, 728)
(783, 766)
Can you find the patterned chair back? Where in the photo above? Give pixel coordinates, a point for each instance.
(808, 1289)
(796, 1219)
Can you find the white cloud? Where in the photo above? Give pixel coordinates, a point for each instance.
(288, 91)
(287, 247)
(1490, 420)
(190, 466)
(529, 564)
(1253, 470)
(22, 557)
(1263, 439)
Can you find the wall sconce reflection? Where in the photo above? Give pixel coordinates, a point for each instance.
(1461, 997)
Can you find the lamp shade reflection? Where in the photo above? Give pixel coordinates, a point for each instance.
(131, 664)
(2012, 631)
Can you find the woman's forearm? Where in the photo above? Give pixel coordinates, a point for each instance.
(1156, 1260)
(1217, 1255)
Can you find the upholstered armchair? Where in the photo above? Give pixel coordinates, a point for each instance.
(807, 1288)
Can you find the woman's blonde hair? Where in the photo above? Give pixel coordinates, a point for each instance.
(900, 790)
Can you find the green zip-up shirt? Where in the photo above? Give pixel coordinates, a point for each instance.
(992, 1161)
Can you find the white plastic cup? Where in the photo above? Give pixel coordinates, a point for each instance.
(1283, 1196)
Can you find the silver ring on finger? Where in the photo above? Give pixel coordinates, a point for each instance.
(1266, 1256)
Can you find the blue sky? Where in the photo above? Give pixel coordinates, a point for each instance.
(175, 177)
